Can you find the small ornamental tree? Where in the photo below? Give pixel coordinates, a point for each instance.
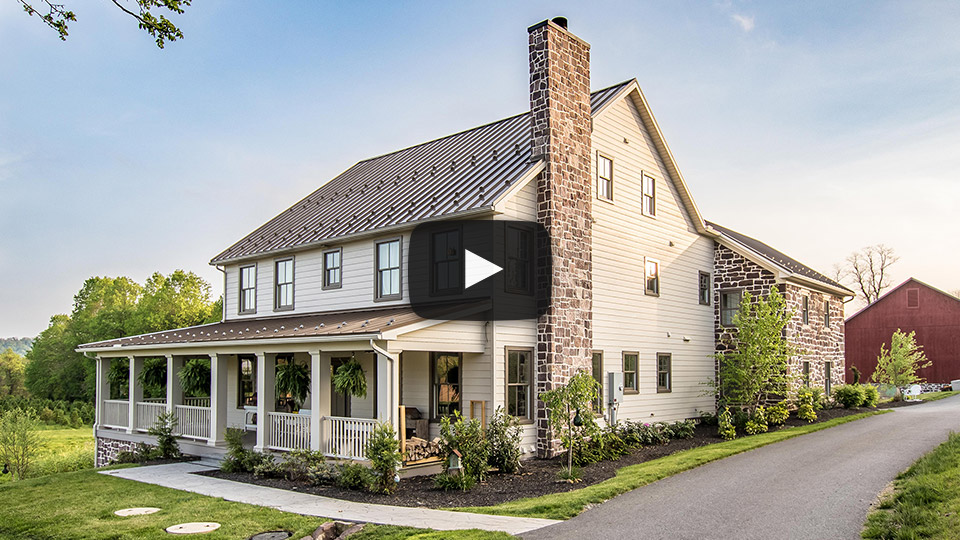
(899, 365)
(19, 441)
(383, 451)
(754, 368)
(568, 406)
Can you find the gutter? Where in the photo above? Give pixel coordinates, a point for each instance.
(235, 343)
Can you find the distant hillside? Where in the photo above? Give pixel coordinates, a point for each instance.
(19, 345)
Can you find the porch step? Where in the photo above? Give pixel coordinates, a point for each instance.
(210, 461)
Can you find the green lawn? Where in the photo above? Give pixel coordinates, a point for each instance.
(934, 396)
(566, 505)
(389, 532)
(926, 500)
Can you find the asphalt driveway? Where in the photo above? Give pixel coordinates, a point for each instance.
(816, 486)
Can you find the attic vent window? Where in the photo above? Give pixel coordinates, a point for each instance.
(913, 298)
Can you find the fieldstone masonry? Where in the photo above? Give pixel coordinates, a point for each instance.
(815, 342)
(107, 450)
(561, 125)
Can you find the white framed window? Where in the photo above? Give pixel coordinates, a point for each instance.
(604, 177)
(729, 306)
(248, 289)
(332, 268)
(651, 277)
(388, 270)
(519, 376)
(664, 372)
(283, 285)
(631, 380)
(649, 195)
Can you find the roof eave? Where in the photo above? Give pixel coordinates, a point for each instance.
(232, 343)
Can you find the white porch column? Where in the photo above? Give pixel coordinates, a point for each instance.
(395, 393)
(266, 396)
(218, 398)
(174, 390)
(102, 389)
(316, 391)
(383, 387)
(136, 391)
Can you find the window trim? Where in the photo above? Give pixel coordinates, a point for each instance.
(720, 309)
(646, 288)
(669, 371)
(434, 401)
(241, 358)
(826, 313)
(601, 155)
(636, 378)
(643, 195)
(377, 297)
(460, 259)
(276, 284)
(805, 310)
(339, 284)
(240, 310)
(805, 372)
(531, 262)
(598, 405)
(708, 290)
(827, 378)
(531, 390)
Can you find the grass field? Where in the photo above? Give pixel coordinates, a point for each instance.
(933, 396)
(566, 505)
(62, 449)
(926, 499)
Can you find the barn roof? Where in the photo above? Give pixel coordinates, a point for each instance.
(898, 287)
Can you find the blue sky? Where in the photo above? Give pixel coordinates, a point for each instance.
(817, 127)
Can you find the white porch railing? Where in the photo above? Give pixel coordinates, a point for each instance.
(115, 414)
(288, 431)
(346, 437)
(147, 413)
(192, 422)
(196, 401)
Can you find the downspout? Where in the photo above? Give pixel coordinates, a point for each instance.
(223, 304)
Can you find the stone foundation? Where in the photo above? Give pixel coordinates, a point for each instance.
(107, 450)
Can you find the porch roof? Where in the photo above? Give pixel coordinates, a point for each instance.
(361, 323)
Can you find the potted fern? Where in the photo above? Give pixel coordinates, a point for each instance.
(350, 380)
(293, 380)
(195, 378)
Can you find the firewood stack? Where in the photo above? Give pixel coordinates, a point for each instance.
(417, 448)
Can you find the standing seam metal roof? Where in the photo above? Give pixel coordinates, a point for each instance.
(458, 173)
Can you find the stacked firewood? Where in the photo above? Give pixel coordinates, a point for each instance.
(417, 448)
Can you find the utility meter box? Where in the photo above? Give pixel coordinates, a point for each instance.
(616, 387)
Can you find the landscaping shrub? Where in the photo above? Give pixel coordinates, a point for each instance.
(19, 442)
(708, 418)
(817, 398)
(141, 453)
(684, 429)
(453, 482)
(757, 423)
(504, 435)
(870, 395)
(468, 438)
(267, 467)
(167, 445)
(725, 427)
(236, 453)
(569, 474)
(805, 404)
(778, 414)
(323, 474)
(383, 451)
(856, 374)
(355, 476)
(296, 465)
(849, 395)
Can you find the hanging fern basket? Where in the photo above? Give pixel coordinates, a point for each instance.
(349, 379)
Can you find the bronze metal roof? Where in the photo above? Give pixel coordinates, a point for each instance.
(463, 172)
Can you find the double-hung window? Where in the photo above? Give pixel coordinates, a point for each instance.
(604, 177)
(827, 381)
(729, 306)
(332, 268)
(388, 270)
(445, 267)
(651, 277)
(806, 374)
(248, 289)
(664, 372)
(283, 288)
(247, 387)
(518, 274)
(519, 364)
(446, 383)
(630, 380)
(649, 195)
(704, 291)
(826, 314)
(806, 310)
(597, 369)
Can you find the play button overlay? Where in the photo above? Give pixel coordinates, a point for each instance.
(480, 270)
(477, 269)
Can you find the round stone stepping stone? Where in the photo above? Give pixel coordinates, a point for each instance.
(196, 527)
(127, 512)
(271, 535)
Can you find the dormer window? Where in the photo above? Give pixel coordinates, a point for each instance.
(649, 195)
(283, 285)
(248, 289)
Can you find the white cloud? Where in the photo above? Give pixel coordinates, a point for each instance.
(746, 22)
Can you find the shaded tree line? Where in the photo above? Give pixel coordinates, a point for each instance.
(109, 308)
(17, 345)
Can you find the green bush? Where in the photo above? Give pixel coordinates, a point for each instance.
(323, 474)
(268, 468)
(453, 482)
(871, 396)
(806, 410)
(818, 399)
(162, 429)
(571, 474)
(383, 451)
(504, 435)
(468, 438)
(236, 453)
(849, 395)
(778, 414)
(725, 427)
(684, 429)
(297, 464)
(355, 476)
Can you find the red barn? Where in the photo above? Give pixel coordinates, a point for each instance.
(912, 306)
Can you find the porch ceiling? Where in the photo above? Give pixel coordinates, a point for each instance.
(324, 325)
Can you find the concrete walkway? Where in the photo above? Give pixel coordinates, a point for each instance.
(816, 486)
(178, 476)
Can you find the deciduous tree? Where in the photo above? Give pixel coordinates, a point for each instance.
(57, 16)
(900, 364)
(868, 270)
(12, 368)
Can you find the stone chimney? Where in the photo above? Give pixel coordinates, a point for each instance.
(561, 126)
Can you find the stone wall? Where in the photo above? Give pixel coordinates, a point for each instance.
(561, 125)
(107, 450)
(815, 342)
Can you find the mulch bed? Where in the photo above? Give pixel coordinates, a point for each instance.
(537, 477)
